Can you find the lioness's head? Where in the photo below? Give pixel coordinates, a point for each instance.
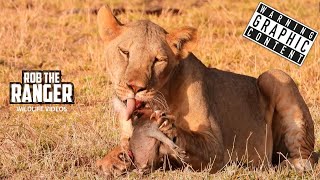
(141, 55)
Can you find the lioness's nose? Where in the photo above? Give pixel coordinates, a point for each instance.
(135, 88)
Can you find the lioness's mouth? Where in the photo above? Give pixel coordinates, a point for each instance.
(134, 108)
(138, 104)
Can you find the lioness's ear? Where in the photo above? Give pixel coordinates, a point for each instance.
(182, 41)
(108, 25)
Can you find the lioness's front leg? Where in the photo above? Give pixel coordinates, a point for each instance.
(165, 124)
(125, 121)
(201, 148)
(116, 162)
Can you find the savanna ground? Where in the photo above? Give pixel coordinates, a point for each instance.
(50, 35)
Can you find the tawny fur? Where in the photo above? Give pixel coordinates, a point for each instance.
(220, 116)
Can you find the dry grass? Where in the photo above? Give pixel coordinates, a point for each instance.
(40, 34)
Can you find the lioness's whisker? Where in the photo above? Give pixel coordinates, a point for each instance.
(161, 102)
(160, 93)
(152, 106)
(158, 102)
(161, 97)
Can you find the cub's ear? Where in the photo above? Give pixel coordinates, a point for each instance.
(182, 41)
(108, 25)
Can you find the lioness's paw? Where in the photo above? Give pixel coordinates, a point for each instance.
(115, 163)
(165, 122)
(300, 165)
(179, 153)
(124, 143)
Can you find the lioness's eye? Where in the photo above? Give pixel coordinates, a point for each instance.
(157, 60)
(124, 52)
(160, 59)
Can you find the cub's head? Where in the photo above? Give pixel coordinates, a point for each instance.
(141, 55)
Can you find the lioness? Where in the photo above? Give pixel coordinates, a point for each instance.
(219, 116)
